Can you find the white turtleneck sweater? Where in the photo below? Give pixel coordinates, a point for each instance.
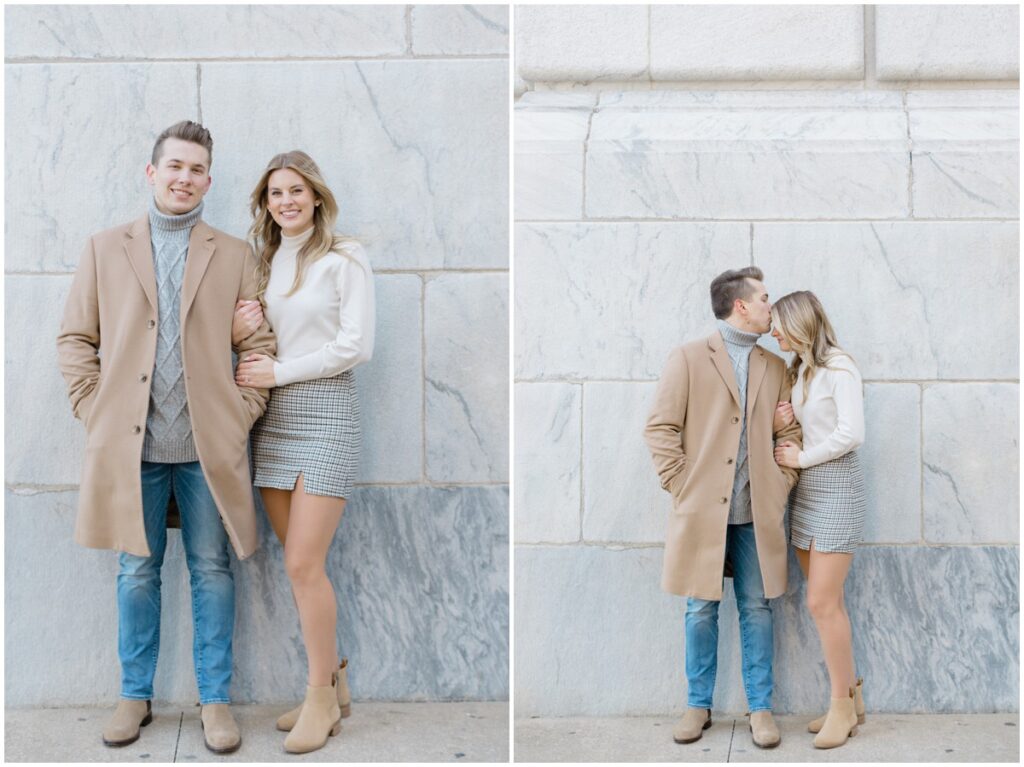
(327, 326)
(832, 414)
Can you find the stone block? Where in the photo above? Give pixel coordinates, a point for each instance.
(415, 151)
(947, 42)
(453, 30)
(998, 99)
(581, 43)
(203, 31)
(971, 463)
(44, 442)
(966, 162)
(757, 42)
(390, 385)
(73, 125)
(598, 300)
(622, 498)
(581, 609)
(421, 576)
(549, 163)
(466, 369)
(557, 100)
(751, 162)
(908, 300)
(548, 424)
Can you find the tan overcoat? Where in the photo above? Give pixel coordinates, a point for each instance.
(693, 432)
(106, 350)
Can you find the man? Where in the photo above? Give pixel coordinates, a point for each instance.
(710, 432)
(145, 348)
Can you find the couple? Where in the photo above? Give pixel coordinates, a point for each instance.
(729, 447)
(155, 309)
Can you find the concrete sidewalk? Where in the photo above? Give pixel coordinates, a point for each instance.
(883, 738)
(376, 732)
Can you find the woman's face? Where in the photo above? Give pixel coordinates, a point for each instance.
(777, 335)
(290, 201)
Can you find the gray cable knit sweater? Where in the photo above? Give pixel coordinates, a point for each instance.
(168, 425)
(739, 345)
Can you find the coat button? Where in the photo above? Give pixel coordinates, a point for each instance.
(724, 500)
(136, 429)
(728, 460)
(151, 324)
(143, 378)
(735, 419)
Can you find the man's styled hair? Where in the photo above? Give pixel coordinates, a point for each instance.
(186, 130)
(730, 285)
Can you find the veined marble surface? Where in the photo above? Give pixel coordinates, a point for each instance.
(765, 100)
(421, 576)
(466, 378)
(971, 463)
(909, 300)
(548, 457)
(596, 636)
(747, 163)
(549, 163)
(600, 300)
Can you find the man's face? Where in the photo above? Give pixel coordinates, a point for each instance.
(181, 176)
(758, 310)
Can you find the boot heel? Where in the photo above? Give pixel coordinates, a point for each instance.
(860, 719)
(853, 731)
(346, 711)
(707, 723)
(336, 728)
(147, 719)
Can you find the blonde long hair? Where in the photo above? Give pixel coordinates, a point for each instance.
(265, 233)
(802, 320)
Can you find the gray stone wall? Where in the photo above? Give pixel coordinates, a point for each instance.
(896, 202)
(405, 110)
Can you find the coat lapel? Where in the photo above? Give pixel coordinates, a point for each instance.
(139, 250)
(724, 365)
(200, 251)
(755, 374)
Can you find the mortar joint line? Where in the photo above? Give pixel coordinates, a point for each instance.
(728, 756)
(870, 78)
(910, 157)
(650, 75)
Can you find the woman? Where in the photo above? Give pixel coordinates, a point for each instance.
(318, 291)
(827, 509)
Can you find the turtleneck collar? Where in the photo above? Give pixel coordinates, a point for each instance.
(733, 335)
(162, 221)
(296, 241)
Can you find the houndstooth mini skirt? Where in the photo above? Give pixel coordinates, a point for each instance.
(828, 506)
(312, 428)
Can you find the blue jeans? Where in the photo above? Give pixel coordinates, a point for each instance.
(756, 640)
(213, 586)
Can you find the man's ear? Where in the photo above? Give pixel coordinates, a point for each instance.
(150, 172)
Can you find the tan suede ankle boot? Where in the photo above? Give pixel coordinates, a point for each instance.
(320, 718)
(286, 721)
(858, 703)
(126, 723)
(840, 723)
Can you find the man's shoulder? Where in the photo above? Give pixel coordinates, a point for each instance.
(772, 358)
(227, 241)
(114, 234)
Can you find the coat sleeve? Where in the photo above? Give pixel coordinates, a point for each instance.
(261, 341)
(664, 430)
(79, 340)
(792, 433)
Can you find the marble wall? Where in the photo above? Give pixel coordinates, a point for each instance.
(405, 110)
(897, 205)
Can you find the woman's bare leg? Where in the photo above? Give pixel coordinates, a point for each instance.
(277, 503)
(311, 524)
(826, 576)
